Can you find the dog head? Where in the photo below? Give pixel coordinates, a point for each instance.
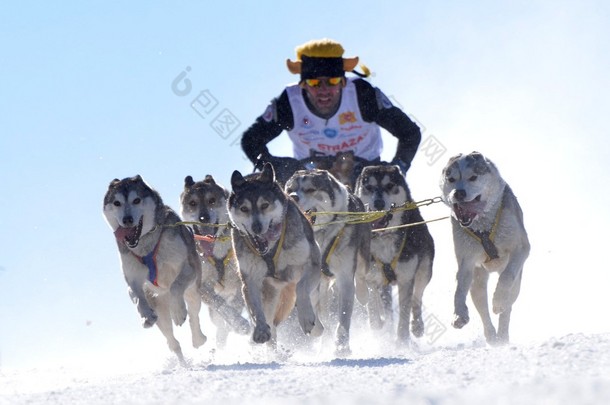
(317, 191)
(132, 209)
(381, 188)
(257, 206)
(471, 186)
(205, 202)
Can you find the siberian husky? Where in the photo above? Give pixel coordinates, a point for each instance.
(402, 256)
(204, 203)
(345, 247)
(488, 236)
(159, 259)
(278, 257)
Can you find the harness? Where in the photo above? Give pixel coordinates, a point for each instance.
(221, 263)
(389, 269)
(150, 260)
(269, 257)
(486, 238)
(329, 251)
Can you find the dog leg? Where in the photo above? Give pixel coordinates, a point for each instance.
(164, 323)
(193, 301)
(253, 294)
(503, 323)
(144, 309)
(185, 279)
(405, 296)
(346, 292)
(478, 293)
(232, 317)
(308, 295)
(509, 283)
(422, 278)
(464, 280)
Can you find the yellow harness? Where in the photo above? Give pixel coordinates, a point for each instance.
(487, 238)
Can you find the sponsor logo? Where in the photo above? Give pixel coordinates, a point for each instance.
(330, 132)
(346, 117)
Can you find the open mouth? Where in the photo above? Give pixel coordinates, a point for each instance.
(383, 221)
(129, 235)
(263, 241)
(466, 212)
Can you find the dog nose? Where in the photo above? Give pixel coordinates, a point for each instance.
(379, 204)
(128, 220)
(459, 194)
(257, 227)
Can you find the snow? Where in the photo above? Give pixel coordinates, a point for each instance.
(572, 369)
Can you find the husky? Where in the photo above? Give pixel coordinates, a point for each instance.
(345, 247)
(488, 236)
(204, 203)
(402, 256)
(278, 258)
(158, 257)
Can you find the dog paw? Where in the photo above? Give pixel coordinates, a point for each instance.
(262, 333)
(199, 339)
(179, 313)
(417, 327)
(241, 326)
(459, 321)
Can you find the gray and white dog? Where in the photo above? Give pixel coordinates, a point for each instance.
(278, 257)
(159, 259)
(402, 256)
(488, 235)
(204, 203)
(345, 247)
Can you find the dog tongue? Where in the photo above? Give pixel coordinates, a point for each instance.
(121, 233)
(465, 213)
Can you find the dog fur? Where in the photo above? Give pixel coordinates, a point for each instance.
(166, 288)
(278, 257)
(489, 236)
(401, 257)
(345, 247)
(204, 203)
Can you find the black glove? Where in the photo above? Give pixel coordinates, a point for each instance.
(401, 164)
(284, 167)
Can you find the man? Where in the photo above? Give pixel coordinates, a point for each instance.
(327, 113)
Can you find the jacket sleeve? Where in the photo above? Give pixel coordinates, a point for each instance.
(276, 118)
(376, 107)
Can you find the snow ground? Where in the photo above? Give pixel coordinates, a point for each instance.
(572, 369)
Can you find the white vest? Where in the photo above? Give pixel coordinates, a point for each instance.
(344, 131)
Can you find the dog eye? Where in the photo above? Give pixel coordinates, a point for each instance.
(117, 203)
(389, 186)
(369, 188)
(310, 190)
(244, 209)
(264, 206)
(193, 203)
(472, 178)
(451, 180)
(137, 201)
(212, 201)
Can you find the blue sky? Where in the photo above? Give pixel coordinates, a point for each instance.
(86, 96)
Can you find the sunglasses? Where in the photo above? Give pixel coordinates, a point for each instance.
(330, 82)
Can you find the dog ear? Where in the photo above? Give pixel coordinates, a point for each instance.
(237, 180)
(209, 179)
(268, 173)
(188, 182)
(114, 183)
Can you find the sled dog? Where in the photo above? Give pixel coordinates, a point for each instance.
(204, 203)
(402, 256)
(278, 257)
(345, 247)
(159, 260)
(488, 236)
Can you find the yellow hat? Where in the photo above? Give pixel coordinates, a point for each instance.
(321, 57)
